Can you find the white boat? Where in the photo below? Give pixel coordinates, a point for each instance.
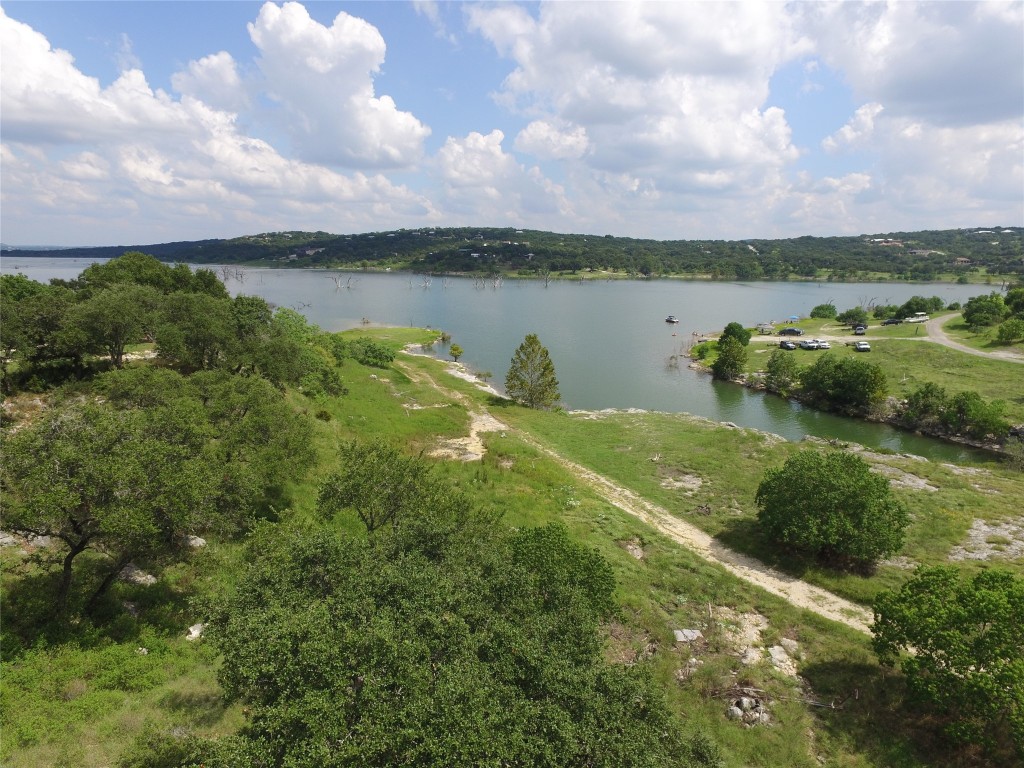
(671, 319)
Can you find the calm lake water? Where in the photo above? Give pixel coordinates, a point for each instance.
(608, 339)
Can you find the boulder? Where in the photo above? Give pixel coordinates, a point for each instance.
(687, 635)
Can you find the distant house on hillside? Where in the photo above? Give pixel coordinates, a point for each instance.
(961, 261)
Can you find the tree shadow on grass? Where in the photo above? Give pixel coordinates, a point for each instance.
(494, 401)
(121, 615)
(870, 709)
(744, 535)
(202, 708)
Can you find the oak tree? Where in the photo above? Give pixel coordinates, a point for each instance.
(957, 639)
(831, 506)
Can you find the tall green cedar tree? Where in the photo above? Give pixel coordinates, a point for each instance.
(531, 376)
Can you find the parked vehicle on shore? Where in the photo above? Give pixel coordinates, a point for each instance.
(809, 344)
(861, 346)
(893, 321)
(790, 331)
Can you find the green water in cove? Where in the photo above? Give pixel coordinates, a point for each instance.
(608, 340)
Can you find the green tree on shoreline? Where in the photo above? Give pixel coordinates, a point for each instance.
(531, 376)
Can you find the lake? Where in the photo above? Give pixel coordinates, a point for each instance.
(609, 341)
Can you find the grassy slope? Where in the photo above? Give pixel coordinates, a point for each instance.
(83, 702)
(985, 339)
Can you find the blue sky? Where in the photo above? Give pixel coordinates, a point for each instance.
(138, 122)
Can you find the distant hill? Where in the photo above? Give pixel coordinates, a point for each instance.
(919, 255)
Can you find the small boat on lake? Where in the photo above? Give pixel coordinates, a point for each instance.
(671, 319)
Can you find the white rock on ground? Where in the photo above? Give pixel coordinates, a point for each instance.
(134, 575)
(687, 635)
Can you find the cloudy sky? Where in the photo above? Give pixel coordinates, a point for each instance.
(143, 122)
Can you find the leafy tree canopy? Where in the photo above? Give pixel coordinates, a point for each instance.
(732, 357)
(854, 316)
(736, 331)
(980, 311)
(844, 383)
(141, 269)
(957, 639)
(824, 311)
(781, 372)
(831, 506)
(98, 478)
(1011, 330)
(441, 639)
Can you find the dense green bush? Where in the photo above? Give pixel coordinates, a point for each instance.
(981, 311)
(824, 311)
(848, 383)
(854, 316)
(369, 352)
(782, 372)
(931, 409)
(736, 331)
(732, 357)
(831, 506)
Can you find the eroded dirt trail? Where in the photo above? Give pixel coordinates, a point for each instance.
(749, 569)
(793, 590)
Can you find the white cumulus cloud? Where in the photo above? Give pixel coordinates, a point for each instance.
(323, 77)
(856, 131)
(215, 81)
(549, 141)
(160, 167)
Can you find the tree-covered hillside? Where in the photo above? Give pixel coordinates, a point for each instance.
(907, 255)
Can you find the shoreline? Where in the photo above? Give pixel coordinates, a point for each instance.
(995, 449)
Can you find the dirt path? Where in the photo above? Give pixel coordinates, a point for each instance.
(791, 589)
(937, 335)
(749, 569)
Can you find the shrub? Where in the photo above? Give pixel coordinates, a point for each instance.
(831, 506)
(732, 357)
(846, 384)
(371, 353)
(854, 316)
(824, 311)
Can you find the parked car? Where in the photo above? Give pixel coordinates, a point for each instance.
(861, 346)
(893, 321)
(860, 330)
(790, 331)
(787, 344)
(809, 344)
(822, 344)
